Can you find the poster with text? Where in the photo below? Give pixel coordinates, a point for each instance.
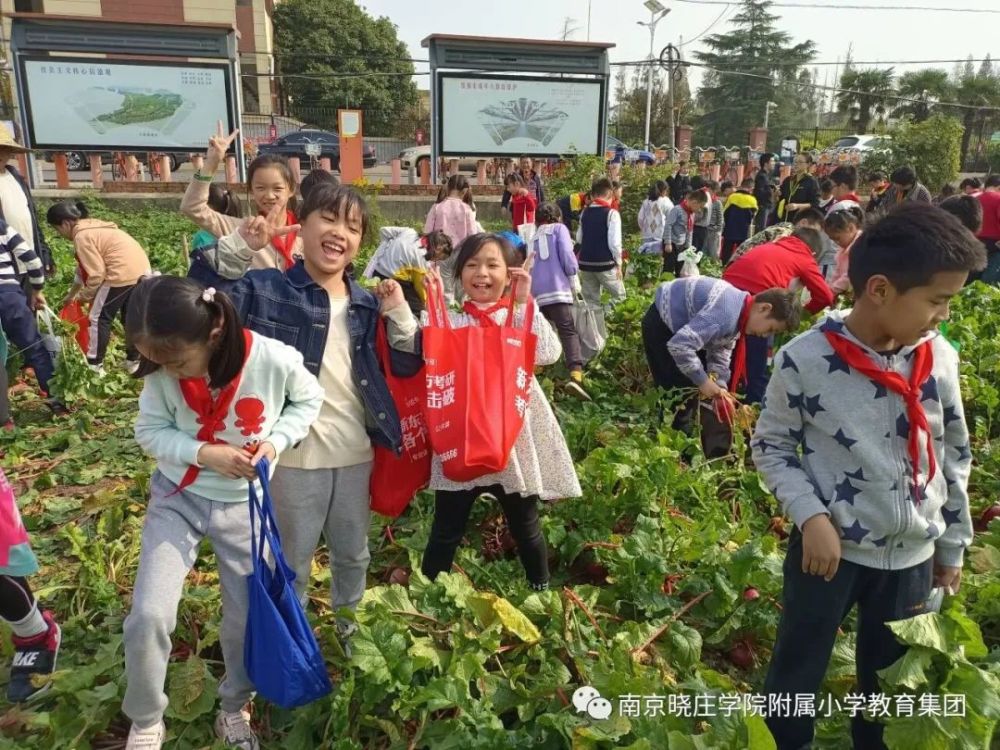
(97, 105)
(487, 115)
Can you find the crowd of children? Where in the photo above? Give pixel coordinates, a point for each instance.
(267, 351)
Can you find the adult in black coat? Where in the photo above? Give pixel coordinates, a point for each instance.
(762, 191)
(799, 191)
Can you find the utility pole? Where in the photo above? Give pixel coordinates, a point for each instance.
(673, 59)
(767, 112)
(588, 19)
(656, 14)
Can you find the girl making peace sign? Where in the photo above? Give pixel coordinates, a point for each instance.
(272, 190)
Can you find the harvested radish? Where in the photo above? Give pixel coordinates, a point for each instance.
(741, 655)
(400, 576)
(750, 594)
(988, 515)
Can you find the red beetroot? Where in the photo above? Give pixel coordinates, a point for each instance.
(741, 655)
(988, 515)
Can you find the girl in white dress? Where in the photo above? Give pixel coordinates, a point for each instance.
(540, 467)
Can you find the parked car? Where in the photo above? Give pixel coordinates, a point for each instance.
(624, 154)
(79, 161)
(295, 144)
(411, 157)
(860, 146)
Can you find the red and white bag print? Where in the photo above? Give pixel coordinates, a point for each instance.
(397, 479)
(478, 387)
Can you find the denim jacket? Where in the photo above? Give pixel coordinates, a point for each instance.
(292, 308)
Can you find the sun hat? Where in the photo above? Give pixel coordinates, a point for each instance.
(7, 143)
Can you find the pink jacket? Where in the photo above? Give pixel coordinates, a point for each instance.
(453, 217)
(841, 283)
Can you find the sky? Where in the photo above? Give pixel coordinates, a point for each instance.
(876, 35)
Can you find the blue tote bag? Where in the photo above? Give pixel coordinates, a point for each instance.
(280, 653)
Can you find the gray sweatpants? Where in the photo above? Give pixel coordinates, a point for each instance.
(593, 282)
(334, 503)
(174, 527)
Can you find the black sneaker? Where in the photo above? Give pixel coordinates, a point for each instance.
(57, 407)
(33, 656)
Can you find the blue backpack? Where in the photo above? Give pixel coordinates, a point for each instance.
(280, 653)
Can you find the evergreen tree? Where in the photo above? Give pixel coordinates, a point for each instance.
(732, 104)
(319, 43)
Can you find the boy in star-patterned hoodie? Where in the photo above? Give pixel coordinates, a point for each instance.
(863, 440)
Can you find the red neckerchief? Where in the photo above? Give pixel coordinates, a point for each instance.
(601, 202)
(923, 362)
(849, 197)
(481, 315)
(286, 242)
(690, 215)
(740, 352)
(210, 412)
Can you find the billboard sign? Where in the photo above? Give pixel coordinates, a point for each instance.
(493, 115)
(93, 104)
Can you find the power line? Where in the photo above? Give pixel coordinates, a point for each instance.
(837, 89)
(854, 7)
(784, 64)
(710, 26)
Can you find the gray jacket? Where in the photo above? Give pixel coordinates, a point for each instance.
(830, 440)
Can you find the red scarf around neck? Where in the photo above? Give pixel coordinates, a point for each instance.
(482, 315)
(690, 216)
(740, 352)
(286, 242)
(923, 362)
(211, 412)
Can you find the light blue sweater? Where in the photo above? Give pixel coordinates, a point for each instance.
(276, 401)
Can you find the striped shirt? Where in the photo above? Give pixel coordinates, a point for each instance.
(18, 259)
(703, 313)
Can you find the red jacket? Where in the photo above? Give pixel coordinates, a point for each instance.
(990, 201)
(522, 209)
(777, 264)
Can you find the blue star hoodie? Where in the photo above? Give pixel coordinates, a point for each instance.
(830, 440)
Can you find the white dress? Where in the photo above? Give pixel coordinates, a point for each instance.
(540, 463)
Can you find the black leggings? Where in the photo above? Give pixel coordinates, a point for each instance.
(16, 599)
(451, 516)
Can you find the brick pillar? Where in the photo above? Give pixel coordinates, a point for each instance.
(296, 164)
(684, 136)
(397, 172)
(758, 139)
(62, 171)
(481, 172)
(232, 175)
(96, 172)
(164, 168)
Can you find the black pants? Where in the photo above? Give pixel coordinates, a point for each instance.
(760, 219)
(109, 302)
(451, 516)
(560, 315)
(716, 437)
(21, 329)
(16, 599)
(728, 248)
(671, 263)
(698, 237)
(813, 610)
(758, 348)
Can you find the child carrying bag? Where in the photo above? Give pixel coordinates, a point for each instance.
(478, 387)
(396, 479)
(280, 653)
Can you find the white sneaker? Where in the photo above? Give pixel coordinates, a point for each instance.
(98, 369)
(150, 738)
(234, 730)
(131, 365)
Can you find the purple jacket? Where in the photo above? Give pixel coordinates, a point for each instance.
(553, 265)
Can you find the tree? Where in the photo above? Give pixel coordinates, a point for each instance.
(332, 54)
(570, 27)
(930, 85)
(865, 95)
(980, 96)
(760, 64)
(629, 116)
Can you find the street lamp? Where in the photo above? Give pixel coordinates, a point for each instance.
(767, 112)
(656, 14)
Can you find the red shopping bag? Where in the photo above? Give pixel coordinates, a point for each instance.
(74, 314)
(478, 386)
(396, 479)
